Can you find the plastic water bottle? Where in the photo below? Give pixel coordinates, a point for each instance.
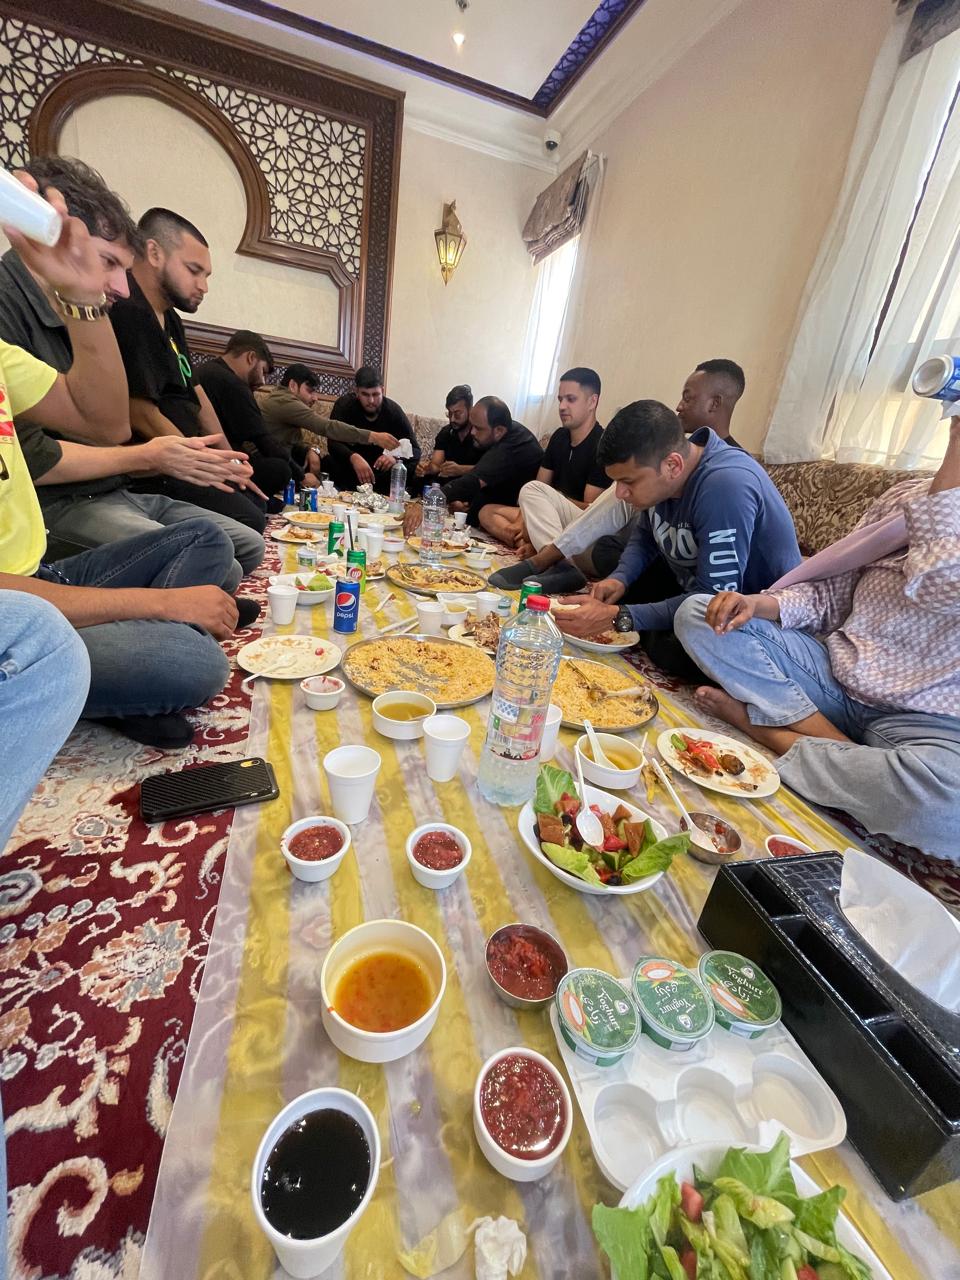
(398, 487)
(431, 529)
(528, 657)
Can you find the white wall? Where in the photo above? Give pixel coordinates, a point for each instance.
(154, 155)
(472, 329)
(721, 178)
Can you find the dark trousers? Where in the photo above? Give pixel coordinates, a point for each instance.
(662, 647)
(248, 509)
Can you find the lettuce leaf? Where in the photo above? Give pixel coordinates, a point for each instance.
(578, 864)
(552, 782)
(657, 857)
(762, 1211)
(661, 1206)
(766, 1173)
(817, 1215)
(625, 1237)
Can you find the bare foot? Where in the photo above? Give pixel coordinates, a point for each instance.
(720, 704)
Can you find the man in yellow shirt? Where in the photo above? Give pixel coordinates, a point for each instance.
(147, 610)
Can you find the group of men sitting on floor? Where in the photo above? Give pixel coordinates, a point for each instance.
(847, 665)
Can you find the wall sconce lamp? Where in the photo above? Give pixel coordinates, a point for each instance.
(451, 241)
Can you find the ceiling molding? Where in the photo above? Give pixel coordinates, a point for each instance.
(600, 29)
(525, 151)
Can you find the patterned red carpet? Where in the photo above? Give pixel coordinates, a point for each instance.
(104, 925)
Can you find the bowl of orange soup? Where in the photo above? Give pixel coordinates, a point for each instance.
(381, 985)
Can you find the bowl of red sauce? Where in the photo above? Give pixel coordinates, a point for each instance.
(779, 846)
(438, 854)
(522, 1114)
(315, 847)
(525, 965)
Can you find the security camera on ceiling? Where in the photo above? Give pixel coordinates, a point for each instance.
(551, 139)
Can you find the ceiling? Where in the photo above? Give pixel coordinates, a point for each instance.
(525, 53)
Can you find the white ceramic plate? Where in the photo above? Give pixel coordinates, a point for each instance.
(764, 774)
(306, 598)
(289, 534)
(608, 804)
(289, 657)
(627, 640)
(707, 1157)
(308, 519)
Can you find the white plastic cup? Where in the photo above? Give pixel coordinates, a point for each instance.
(460, 519)
(551, 731)
(430, 614)
(27, 212)
(282, 598)
(352, 775)
(487, 602)
(374, 544)
(305, 1258)
(444, 738)
(340, 512)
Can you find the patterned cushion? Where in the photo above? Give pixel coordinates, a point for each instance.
(826, 499)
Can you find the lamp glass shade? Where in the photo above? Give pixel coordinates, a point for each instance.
(450, 241)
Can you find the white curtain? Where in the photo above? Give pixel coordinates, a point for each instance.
(556, 300)
(845, 392)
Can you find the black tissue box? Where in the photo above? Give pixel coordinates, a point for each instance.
(891, 1055)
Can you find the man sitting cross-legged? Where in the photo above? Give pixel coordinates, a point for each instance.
(710, 519)
(84, 491)
(849, 669)
(147, 608)
(455, 451)
(290, 414)
(569, 479)
(369, 408)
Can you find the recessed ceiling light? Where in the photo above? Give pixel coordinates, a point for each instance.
(458, 39)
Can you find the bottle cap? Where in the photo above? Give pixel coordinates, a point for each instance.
(539, 604)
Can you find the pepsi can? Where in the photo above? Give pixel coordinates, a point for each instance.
(290, 494)
(313, 500)
(938, 378)
(346, 605)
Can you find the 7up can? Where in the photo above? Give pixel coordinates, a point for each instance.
(335, 539)
(357, 568)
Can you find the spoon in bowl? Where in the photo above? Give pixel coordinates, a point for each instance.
(599, 755)
(588, 824)
(699, 837)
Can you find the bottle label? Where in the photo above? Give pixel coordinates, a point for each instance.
(515, 731)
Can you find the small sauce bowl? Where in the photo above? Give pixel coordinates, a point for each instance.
(714, 840)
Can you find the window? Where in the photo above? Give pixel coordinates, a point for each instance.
(555, 275)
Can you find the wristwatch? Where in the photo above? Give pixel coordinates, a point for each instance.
(623, 621)
(81, 310)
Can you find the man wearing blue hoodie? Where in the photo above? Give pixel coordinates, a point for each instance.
(709, 516)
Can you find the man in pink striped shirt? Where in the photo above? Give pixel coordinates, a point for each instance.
(854, 679)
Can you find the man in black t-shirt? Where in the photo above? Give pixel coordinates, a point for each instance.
(569, 478)
(164, 398)
(229, 382)
(455, 452)
(368, 407)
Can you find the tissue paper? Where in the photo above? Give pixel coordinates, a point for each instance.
(403, 450)
(905, 925)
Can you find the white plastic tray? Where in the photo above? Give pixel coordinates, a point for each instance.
(726, 1089)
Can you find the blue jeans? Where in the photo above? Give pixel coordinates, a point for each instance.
(144, 667)
(900, 774)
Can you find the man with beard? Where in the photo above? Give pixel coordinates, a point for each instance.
(84, 488)
(171, 275)
(229, 383)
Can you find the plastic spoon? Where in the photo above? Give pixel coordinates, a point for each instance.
(599, 755)
(698, 837)
(588, 824)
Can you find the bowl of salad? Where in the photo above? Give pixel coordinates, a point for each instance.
(714, 1210)
(314, 587)
(636, 850)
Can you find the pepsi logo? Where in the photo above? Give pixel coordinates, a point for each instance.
(345, 599)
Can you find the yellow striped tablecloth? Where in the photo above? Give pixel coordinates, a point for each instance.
(257, 1039)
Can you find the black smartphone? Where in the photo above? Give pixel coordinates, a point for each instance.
(208, 786)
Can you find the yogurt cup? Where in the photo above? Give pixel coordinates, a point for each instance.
(597, 1016)
(745, 1001)
(675, 1010)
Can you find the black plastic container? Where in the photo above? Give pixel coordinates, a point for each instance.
(891, 1055)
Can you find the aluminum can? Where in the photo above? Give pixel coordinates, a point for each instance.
(346, 605)
(335, 539)
(357, 568)
(938, 378)
(290, 494)
(530, 588)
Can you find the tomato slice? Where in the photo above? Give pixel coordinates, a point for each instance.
(807, 1273)
(691, 1201)
(688, 1260)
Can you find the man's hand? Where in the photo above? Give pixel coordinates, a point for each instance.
(197, 460)
(608, 590)
(589, 619)
(206, 607)
(459, 506)
(383, 439)
(72, 266)
(450, 470)
(412, 518)
(361, 468)
(309, 480)
(383, 463)
(423, 466)
(729, 610)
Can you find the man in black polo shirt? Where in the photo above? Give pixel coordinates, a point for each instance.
(455, 451)
(229, 382)
(569, 478)
(509, 456)
(368, 407)
(164, 399)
